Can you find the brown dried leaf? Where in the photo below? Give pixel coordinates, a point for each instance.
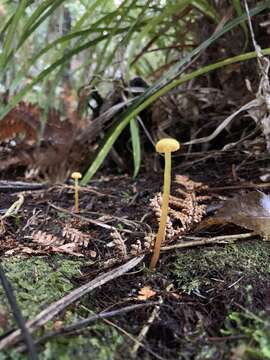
(145, 293)
(250, 211)
(71, 249)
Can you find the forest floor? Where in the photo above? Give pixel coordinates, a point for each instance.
(203, 302)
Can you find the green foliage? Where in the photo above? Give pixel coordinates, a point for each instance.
(167, 83)
(136, 146)
(257, 330)
(38, 49)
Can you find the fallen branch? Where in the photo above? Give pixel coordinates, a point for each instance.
(198, 241)
(145, 329)
(85, 322)
(55, 308)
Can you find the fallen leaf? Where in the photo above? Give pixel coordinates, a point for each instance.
(145, 293)
(250, 211)
(93, 253)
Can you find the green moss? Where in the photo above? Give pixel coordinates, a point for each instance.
(198, 266)
(245, 265)
(100, 344)
(39, 281)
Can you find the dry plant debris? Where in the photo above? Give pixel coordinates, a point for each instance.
(146, 293)
(250, 211)
(186, 208)
(75, 235)
(54, 244)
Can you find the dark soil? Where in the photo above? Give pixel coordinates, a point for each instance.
(214, 300)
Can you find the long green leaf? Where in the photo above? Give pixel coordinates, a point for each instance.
(167, 83)
(136, 146)
(45, 8)
(205, 7)
(9, 40)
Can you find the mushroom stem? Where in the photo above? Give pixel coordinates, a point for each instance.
(164, 211)
(76, 203)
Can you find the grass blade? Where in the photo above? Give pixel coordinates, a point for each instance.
(136, 146)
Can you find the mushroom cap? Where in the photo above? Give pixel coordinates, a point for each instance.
(76, 175)
(167, 145)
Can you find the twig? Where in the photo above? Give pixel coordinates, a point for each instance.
(58, 306)
(18, 315)
(205, 241)
(145, 330)
(95, 222)
(133, 338)
(241, 186)
(14, 208)
(85, 189)
(85, 322)
(14, 186)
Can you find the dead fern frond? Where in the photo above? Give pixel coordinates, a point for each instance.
(119, 244)
(189, 184)
(75, 235)
(155, 204)
(136, 248)
(186, 207)
(46, 239)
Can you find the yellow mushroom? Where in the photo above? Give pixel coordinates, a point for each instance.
(166, 146)
(76, 176)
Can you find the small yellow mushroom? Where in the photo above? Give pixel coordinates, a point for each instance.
(76, 176)
(166, 146)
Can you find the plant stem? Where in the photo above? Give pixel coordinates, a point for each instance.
(164, 211)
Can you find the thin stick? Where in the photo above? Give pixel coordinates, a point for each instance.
(85, 322)
(47, 314)
(133, 338)
(205, 241)
(144, 331)
(242, 186)
(91, 221)
(18, 315)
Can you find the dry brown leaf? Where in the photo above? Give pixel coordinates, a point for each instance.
(71, 249)
(3, 319)
(57, 325)
(93, 253)
(145, 293)
(250, 211)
